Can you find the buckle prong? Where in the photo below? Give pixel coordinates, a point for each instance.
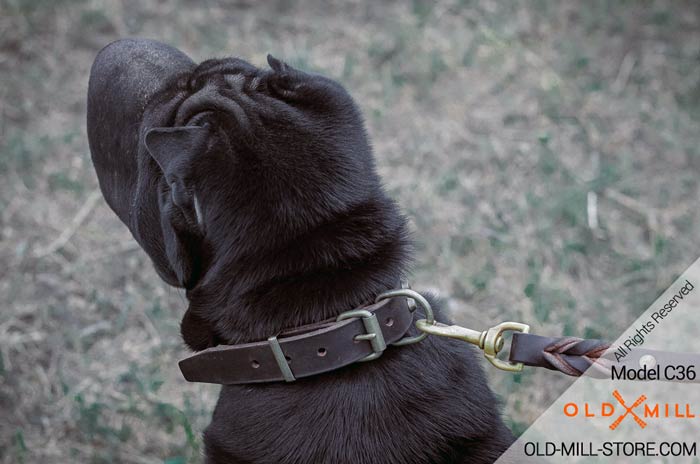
(373, 331)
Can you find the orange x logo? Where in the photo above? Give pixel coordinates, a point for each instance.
(628, 410)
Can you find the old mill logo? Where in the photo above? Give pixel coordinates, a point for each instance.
(640, 410)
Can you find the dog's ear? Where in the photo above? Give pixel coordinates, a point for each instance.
(197, 332)
(298, 87)
(175, 149)
(278, 65)
(285, 80)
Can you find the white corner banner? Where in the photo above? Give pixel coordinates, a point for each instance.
(640, 416)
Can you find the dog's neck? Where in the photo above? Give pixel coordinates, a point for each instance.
(341, 264)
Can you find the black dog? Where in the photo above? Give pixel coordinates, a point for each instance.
(256, 191)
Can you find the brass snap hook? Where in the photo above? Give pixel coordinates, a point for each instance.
(490, 341)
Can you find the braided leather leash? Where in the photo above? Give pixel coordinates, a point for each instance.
(589, 351)
(595, 358)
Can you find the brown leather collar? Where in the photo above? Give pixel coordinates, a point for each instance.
(361, 334)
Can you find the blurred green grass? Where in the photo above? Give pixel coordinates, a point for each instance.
(495, 124)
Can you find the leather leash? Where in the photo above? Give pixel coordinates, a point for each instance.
(576, 356)
(362, 334)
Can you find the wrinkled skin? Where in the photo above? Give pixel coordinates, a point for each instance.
(256, 191)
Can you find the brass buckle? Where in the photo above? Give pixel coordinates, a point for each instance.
(373, 331)
(490, 341)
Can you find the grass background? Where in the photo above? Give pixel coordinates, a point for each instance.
(547, 153)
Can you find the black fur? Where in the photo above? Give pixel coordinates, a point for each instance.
(256, 191)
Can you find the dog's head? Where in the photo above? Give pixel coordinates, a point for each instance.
(249, 179)
(255, 157)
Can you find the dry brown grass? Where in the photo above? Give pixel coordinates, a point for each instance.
(494, 125)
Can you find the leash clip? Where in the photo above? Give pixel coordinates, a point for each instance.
(490, 341)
